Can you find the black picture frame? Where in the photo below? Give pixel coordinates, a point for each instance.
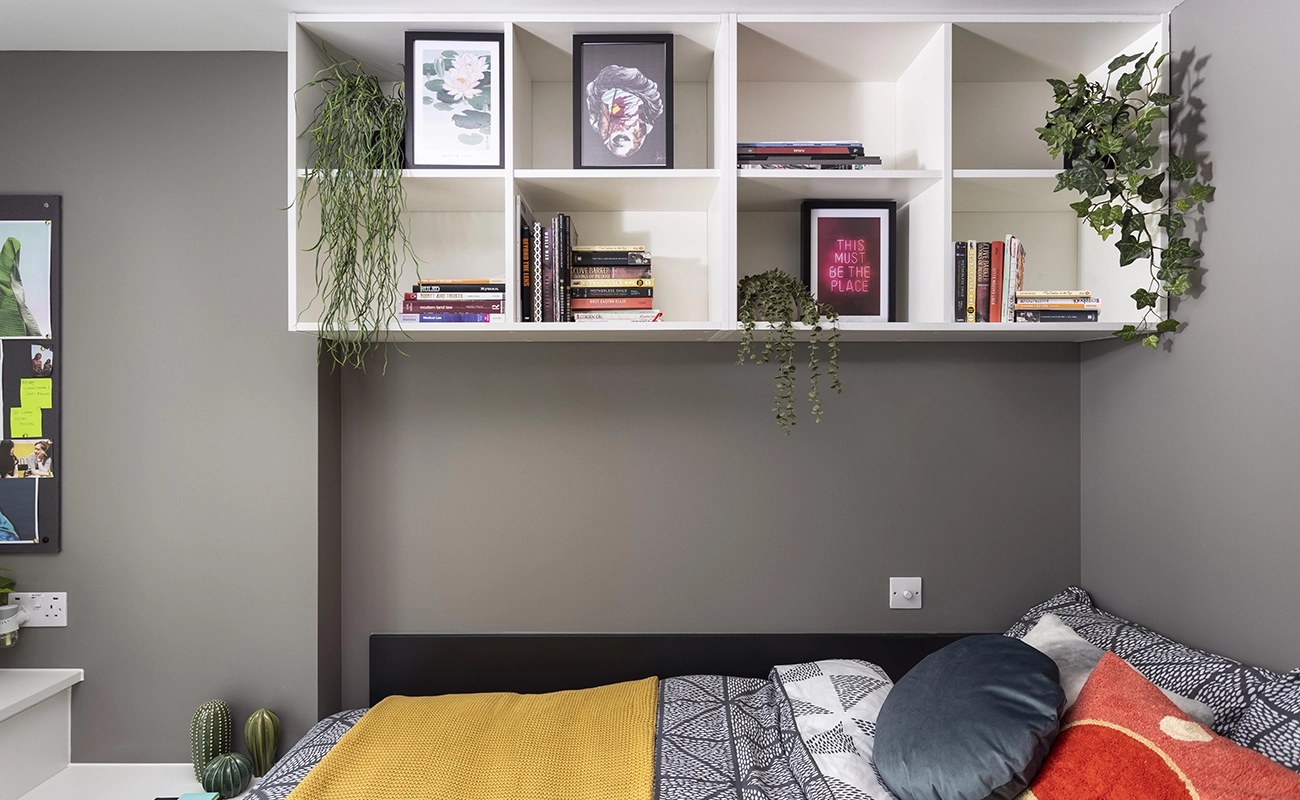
(18, 363)
(884, 249)
(650, 56)
(421, 142)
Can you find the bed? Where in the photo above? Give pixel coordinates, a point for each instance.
(724, 729)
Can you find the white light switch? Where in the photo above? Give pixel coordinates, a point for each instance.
(904, 592)
(47, 609)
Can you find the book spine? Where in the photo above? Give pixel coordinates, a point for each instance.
(427, 307)
(1033, 315)
(565, 261)
(983, 264)
(462, 281)
(610, 291)
(1008, 279)
(611, 259)
(537, 271)
(575, 281)
(651, 315)
(996, 266)
(548, 274)
(613, 272)
(970, 281)
(1063, 294)
(464, 288)
(589, 303)
(477, 296)
(1020, 266)
(609, 248)
(959, 282)
(1094, 305)
(452, 318)
(525, 274)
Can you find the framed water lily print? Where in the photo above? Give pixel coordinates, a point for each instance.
(455, 106)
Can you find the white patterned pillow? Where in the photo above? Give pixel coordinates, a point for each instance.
(1225, 685)
(835, 705)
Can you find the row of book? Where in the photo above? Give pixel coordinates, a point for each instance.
(454, 300)
(561, 281)
(805, 155)
(989, 287)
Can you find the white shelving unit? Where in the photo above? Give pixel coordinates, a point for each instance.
(949, 103)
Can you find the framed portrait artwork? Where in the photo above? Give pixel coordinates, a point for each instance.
(848, 256)
(623, 101)
(455, 104)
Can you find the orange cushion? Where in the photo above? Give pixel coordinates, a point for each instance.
(1124, 740)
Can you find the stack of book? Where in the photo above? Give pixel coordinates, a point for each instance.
(805, 155)
(1065, 305)
(455, 300)
(989, 282)
(612, 283)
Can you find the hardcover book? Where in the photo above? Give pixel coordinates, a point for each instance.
(997, 266)
(1054, 315)
(970, 281)
(611, 272)
(526, 220)
(589, 303)
(983, 271)
(959, 282)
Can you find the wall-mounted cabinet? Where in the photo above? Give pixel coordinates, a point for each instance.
(950, 105)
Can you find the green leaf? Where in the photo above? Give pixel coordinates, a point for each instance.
(1087, 178)
(1128, 333)
(430, 69)
(1162, 99)
(1132, 223)
(445, 97)
(1145, 299)
(1129, 83)
(482, 100)
(1082, 208)
(449, 54)
(1152, 189)
(441, 106)
(473, 120)
(1152, 341)
(1167, 325)
(1131, 250)
(1160, 61)
(1060, 88)
(1180, 285)
(1181, 170)
(1200, 191)
(1120, 61)
(1183, 204)
(429, 100)
(1172, 222)
(435, 85)
(470, 138)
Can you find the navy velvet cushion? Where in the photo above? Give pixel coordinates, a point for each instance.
(972, 721)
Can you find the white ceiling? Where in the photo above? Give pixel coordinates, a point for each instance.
(261, 24)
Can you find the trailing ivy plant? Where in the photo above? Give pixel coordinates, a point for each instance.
(1108, 136)
(354, 169)
(776, 297)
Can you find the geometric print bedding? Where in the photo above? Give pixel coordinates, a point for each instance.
(1271, 724)
(835, 706)
(1243, 711)
(717, 738)
(307, 753)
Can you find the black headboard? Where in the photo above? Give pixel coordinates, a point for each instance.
(429, 664)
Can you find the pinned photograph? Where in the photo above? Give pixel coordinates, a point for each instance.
(18, 523)
(42, 361)
(623, 101)
(33, 458)
(25, 279)
(454, 100)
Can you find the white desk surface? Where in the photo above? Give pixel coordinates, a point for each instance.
(117, 782)
(20, 689)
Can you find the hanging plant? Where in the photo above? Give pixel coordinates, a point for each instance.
(776, 297)
(1107, 135)
(354, 170)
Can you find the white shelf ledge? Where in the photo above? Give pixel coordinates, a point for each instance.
(572, 190)
(20, 689)
(451, 189)
(785, 190)
(1009, 190)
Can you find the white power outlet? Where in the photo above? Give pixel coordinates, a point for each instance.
(46, 609)
(904, 592)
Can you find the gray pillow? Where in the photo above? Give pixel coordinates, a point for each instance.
(972, 721)
(1076, 659)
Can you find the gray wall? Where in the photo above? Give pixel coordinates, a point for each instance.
(1190, 457)
(189, 466)
(646, 487)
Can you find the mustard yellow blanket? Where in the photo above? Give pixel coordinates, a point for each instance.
(591, 744)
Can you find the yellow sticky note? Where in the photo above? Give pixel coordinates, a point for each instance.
(25, 423)
(37, 393)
